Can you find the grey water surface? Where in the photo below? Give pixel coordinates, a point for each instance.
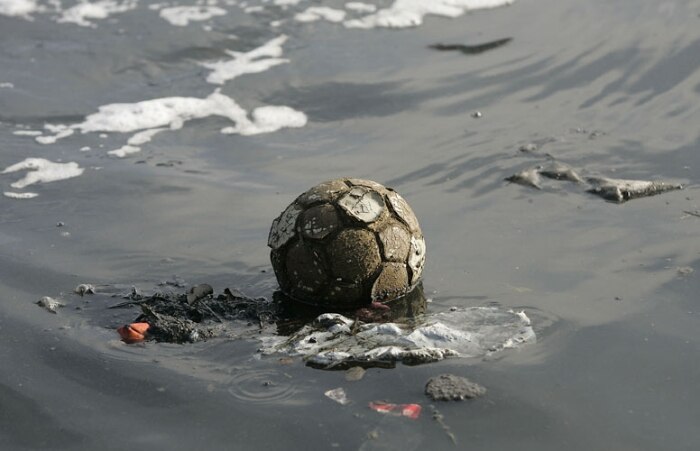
(612, 88)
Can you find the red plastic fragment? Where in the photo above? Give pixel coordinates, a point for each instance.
(411, 411)
(134, 332)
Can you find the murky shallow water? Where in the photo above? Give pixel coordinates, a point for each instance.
(610, 88)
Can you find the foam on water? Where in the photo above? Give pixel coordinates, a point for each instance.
(27, 132)
(320, 12)
(252, 62)
(7, 85)
(153, 116)
(13, 195)
(18, 8)
(410, 13)
(81, 13)
(180, 16)
(360, 7)
(40, 170)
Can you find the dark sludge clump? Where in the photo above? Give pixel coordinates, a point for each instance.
(471, 49)
(200, 314)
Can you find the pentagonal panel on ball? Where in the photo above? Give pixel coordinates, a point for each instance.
(363, 204)
(353, 255)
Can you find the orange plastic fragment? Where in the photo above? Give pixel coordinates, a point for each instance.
(134, 332)
(411, 411)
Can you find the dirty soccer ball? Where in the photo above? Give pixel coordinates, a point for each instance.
(347, 242)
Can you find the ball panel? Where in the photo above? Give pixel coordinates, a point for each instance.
(363, 204)
(305, 269)
(318, 222)
(282, 229)
(395, 241)
(323, 192)
(391, 283)
(353, 255)
(368, 183)
(403, 211)
(416, 258)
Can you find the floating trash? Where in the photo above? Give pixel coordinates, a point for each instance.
(333, 341)
(411, 411)
(134, 332)
(614, 190)
(338, 395)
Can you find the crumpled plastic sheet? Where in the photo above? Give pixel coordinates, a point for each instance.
(334, 341)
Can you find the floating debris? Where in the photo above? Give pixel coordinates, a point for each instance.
(448, 387)
(620, 190)
(134, 332)
(527, 177)
(354, 373)
(197, 315)
(614, 190)
(84, 288)
(338, 395)
(560, 171)
(199, 292)
(333, 341)
(528, 148)
(477, 114)
(472, 49)
(411, 411)
(50, 304)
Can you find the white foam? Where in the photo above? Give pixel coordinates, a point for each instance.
(410, 13)
(6, 84)
(254, 9)
(252, 62)
(42, 171)
(155, 115)
(60, 130)
(18, 8)
(83, 12)
(27, 132)
(286, 2)
(134, 143)
(268, 119)
(13, 195)
(360, 7)
(320, 12)
(182, 15)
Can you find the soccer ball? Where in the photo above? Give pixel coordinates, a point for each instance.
(347, 242)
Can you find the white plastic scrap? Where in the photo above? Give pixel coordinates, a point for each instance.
(333, 339)
(338, 395)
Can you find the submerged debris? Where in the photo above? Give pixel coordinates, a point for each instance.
(354, 374)
(614, 190)
(619, 190)
(333, 341)
(50, 304)
(472, 49)
(448, 387)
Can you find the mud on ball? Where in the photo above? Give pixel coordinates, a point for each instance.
(347, 242)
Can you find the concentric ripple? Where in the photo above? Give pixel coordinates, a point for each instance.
(263, 386)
